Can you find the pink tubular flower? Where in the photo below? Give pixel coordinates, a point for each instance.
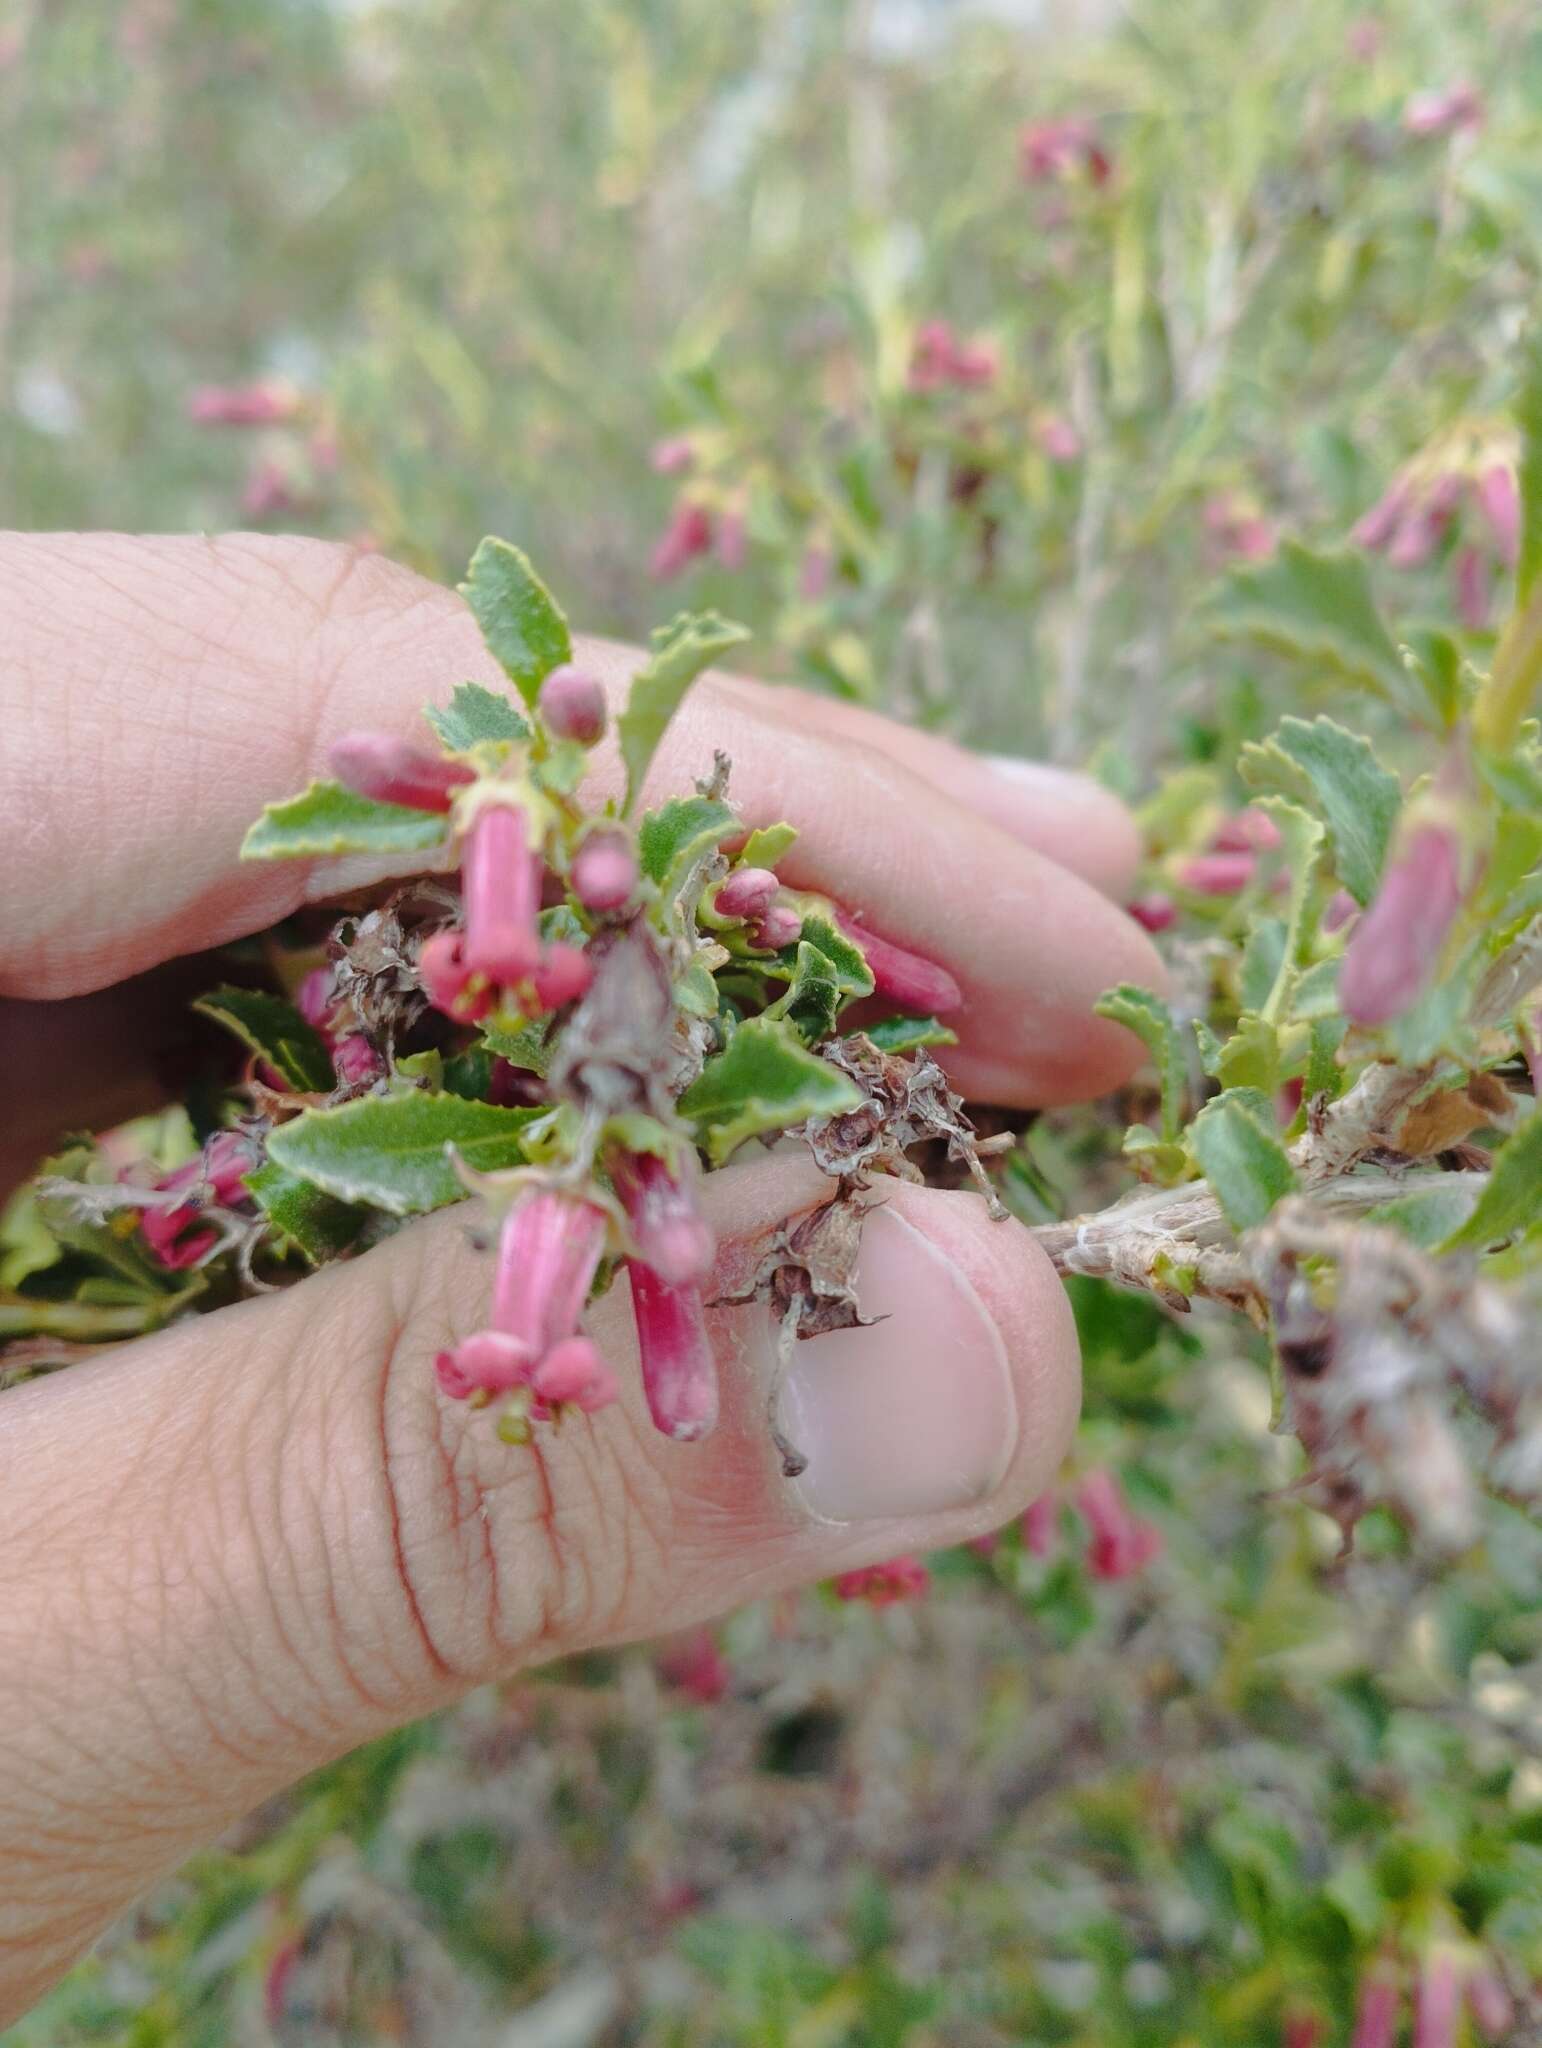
(668, 1228)
(563, 976)
(1122, 1544)
(1302, 2029)
(264, 404)
(781, 926)
(1470, 573)
(489, 1362)
(748, 892)
(672, 456)
(881, 1585)
(1377, 2010)
(1447, 111)
(313, 998)
(573, 704)
(1437, 2002)
(916, 984)
(1498, 499)
(1058, 439)
(1490, 2003)
(502, 883)
(1395, 947)
(1218, 874)
(174, 1234)
(267, 492)
(688, 534)
(939, 357)
(446, 978)
(1154, 913)
(605, 871)
(1340, 908)
(678, 1369)
(1373, 529)
(573, 1371)
(391, 771)
(356, 1060)
(1041, 1525)
(697, 1667)
(1055, 150)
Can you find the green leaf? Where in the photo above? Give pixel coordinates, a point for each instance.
(276, 1032)
(909, 1034)
(524, 630)
(1511, 1204)
(1317, 608)
(1302, 840)
(1335, 772)
(326, 818)
(391, 1150)
(316, 1223)
(527, 1047)
(680, 652)
(766, 845)
(671, 841)
(1152, 1022)
(1430, 1214)
(1241, 1157)
(1250, 1058)
(474, 717)
(1434, 661)
(763, 1081)
(824, 970)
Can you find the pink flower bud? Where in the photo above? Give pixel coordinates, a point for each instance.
(605, 871)
(916, 984)
(688, 534)
(1122, 1545)
(1444, 112)
(697, 1667)
(1218, 874)
(548, 1252)
(263, 404)
(356, 1060)
(573, 704)
(390, 771)
(1246, 831)
(1375, 528)
(1417, 537)
(490, 1362)
(881, 1585)
(1338, 911)
(748, 892)
(313, 998)
(781, 926)
(501, 880)
(573, 1371)
(678, 1368)
(670, 1232)
(1058, 439)
(1041, 1525)
(565, 974)
(814, 571)
(672, 456)
(1437, 2002)
(1154, 913)
(1499, 502)
(1395, 947)
(1490, 2003)
(1377, 2010)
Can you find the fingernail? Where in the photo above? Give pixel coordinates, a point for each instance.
(1030, 775)
(914, 1415)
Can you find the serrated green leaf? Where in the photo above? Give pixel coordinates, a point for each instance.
(1317, 608)
(1241, 1157)
(670, 841)
(824, 971)
(327, 819)
(276, 1032)
(527, 1047)
(316, 1223)
(696, 991)
(1511, 1204)
(680, 652)
(474, 717)
(1152, 1022)
(1250, 1058)
(763, 1081)
(1263, 955)
(766, 845)
(1335, 772)
(390, 1151)
(525, 631)
(909, 1034)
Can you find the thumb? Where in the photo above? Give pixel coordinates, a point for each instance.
(264, 1536)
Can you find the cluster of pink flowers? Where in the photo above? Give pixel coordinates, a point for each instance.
(883, 1585)
(1121, 1545)
(176, 1232)
(354, 1059)
(1412, 517)
(939, 358)
(1054, 151)
(286, 474)
(1448, 1977)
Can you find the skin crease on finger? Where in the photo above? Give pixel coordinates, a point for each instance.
(197, 720)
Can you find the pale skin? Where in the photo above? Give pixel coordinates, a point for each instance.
(236, 1549)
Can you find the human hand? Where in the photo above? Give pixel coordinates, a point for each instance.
(242, 1546)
